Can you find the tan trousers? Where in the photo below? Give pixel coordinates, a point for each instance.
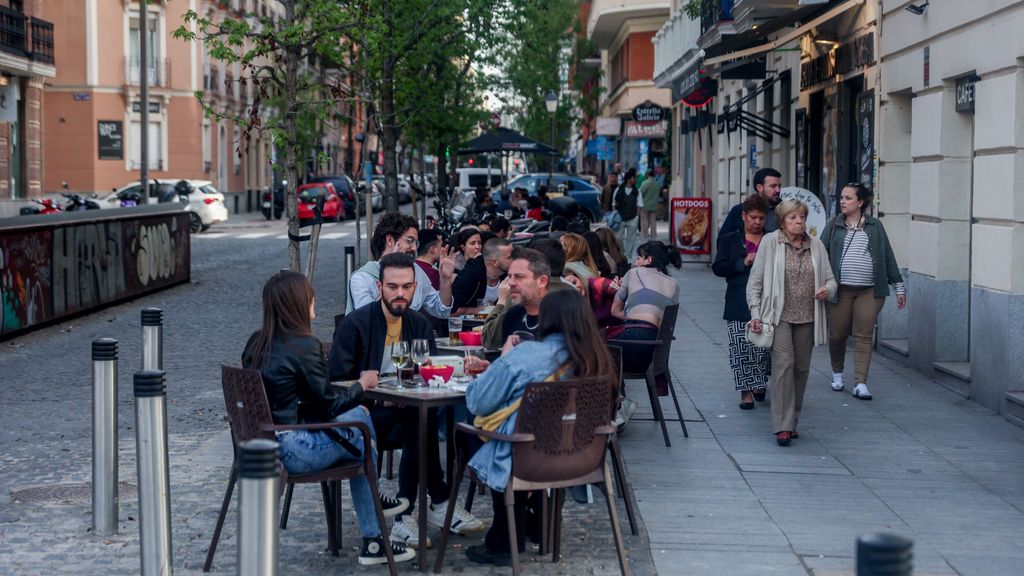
(856, 313)
(648, 225)
(791, 364)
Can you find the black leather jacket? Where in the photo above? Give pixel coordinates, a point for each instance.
(296, 371)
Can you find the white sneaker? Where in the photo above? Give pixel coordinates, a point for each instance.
(837, 382)
(407, 532)
(861, 391)
(462, 522)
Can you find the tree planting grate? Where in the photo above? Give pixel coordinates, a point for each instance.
(80, 493)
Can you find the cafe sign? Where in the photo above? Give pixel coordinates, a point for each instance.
(965, 92)
(648, 112)
(646, 129)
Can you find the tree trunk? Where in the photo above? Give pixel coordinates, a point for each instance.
(291, 73)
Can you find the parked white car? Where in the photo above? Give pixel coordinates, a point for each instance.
(205, 204)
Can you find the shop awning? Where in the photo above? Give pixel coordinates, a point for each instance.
(825, 16)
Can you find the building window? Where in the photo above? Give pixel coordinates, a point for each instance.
(155, 145)
(134, 67)
(620, 66)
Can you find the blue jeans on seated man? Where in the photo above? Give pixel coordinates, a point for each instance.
(307, 451)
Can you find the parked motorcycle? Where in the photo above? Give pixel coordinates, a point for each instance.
(78, 203)
(130, 198)
(46, 206)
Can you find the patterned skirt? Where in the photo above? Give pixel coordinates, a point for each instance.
(751, 366)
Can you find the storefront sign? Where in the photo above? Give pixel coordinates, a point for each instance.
(645, 129)
(609, 126)
(691, 225)
(705, 90)
(858, 53)
(154, 107)
(111, 139)
(649, 112)
(965, 92)
(686, 82)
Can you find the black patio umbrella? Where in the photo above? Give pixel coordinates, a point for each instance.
(506, 142)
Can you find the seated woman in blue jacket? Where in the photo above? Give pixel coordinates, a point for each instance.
(569, 345)
(292, 366)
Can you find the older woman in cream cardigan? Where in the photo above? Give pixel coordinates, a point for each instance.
(789, 282)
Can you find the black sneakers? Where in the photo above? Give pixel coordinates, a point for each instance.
(481, 554)
(373, 552)
(393, 506)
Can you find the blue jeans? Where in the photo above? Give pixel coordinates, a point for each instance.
(303, 452)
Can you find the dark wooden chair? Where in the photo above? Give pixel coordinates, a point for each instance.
(250, 417)
(560, 440)
(661, 347)
(615, 449)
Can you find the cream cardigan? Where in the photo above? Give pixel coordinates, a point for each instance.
(766, 289)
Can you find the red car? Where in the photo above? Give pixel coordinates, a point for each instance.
(320, 192)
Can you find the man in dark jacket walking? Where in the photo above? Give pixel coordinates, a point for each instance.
(767, 183)
(628, 202)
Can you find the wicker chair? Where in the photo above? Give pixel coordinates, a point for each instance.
(249, 414)
(658, 366)
(615, 449)
(560, 440)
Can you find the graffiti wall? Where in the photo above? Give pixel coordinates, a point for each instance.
(54, 270)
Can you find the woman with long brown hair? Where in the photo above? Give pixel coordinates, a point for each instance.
(611, 245)
(292, 365)
(578, 260)
(568, 346)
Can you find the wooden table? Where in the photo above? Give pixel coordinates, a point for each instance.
(423, 399)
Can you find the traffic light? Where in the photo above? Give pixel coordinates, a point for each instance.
(470, 161)
(447, 152)
(516, 162)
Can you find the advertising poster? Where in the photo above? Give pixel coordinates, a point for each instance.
(691, 225)
(816, 216)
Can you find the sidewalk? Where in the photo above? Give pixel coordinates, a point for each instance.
(917, 461)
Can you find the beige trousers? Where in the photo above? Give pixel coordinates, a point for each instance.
(791, 364)
(856, 313)
(648, 225)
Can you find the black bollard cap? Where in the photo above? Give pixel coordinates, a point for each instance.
(259, 459)
(350, 250)
(152, 317)
(104, 349)
(150, 384)
(884, 554)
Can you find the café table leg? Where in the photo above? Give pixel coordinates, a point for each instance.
(450, 443)
(423, 488)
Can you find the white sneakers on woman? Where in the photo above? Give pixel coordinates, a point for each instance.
(837, 382)
(861, 392)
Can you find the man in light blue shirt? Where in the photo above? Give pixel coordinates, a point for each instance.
(400, 233)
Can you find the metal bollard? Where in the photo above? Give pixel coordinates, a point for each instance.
(104, 437)
(884, 555)
(154, 473)
(348, 268)
(152, 339)
(259, 476)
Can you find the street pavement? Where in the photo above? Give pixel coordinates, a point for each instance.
(917, 461)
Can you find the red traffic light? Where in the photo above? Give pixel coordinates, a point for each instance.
(470, 161)
(516, 162)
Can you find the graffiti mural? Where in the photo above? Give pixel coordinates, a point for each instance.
(25, 280)
(67, 267)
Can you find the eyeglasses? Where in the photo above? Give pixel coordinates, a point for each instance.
(415, 243)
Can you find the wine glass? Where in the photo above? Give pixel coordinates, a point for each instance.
(399, 355)
(420, 354)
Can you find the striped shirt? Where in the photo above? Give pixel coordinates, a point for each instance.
(857, 266)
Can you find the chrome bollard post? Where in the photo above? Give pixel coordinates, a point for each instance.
(152, 339)
(348, 268)
(884, 555)
(154, 474)
(259, 476)
(104, 437)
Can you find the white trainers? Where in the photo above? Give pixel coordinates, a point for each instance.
(837, 382)
(462, 522)
(407, 532)
(861, 391)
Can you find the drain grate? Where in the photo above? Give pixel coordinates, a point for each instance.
(80, 493)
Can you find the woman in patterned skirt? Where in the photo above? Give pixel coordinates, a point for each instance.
(751, 366)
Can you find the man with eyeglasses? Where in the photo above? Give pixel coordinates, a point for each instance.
(398, 233)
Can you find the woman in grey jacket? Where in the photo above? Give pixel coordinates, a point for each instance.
(864, 265)
(789, 282)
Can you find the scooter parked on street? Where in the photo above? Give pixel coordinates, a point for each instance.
(46, 206)
(79, 203)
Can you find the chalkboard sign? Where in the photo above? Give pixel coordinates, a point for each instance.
(111, 139)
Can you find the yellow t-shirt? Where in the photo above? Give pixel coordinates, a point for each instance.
(394, 335)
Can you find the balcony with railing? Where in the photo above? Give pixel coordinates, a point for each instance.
(26, 37)
(158, 72)
(607, 17)
(674, 44)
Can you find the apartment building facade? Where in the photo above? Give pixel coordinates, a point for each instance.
(26, 63)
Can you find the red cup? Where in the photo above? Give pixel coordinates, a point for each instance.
(471, 338)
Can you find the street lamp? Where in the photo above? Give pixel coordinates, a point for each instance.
(551, 103)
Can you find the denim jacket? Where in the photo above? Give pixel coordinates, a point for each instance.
(501, 384)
